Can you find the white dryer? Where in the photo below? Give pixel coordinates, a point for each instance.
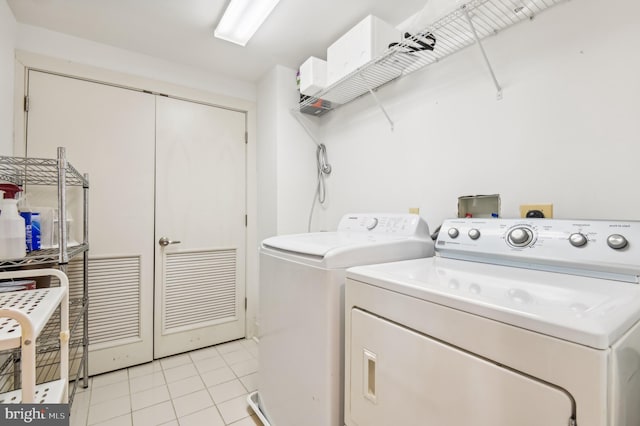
(301, 320)
(529, 322)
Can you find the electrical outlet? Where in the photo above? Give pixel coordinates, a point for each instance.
(546, 209)
(414, 210)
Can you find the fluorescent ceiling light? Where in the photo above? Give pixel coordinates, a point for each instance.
(242, 19)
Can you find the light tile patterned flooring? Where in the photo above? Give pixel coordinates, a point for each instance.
(207, 387)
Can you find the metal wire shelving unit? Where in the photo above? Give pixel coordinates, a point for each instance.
(59, 173)
(464, 26)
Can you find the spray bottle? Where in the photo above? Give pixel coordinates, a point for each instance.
(12, 225)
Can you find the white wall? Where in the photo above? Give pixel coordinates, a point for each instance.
(286, 167)
(266, 152)
(296, 181)
(7, 42)
(286, 158)
(567, 131)
(51, 43)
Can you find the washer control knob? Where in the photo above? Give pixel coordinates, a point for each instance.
(577, 239)
(520, 237)
(372, 223)
(453, 232)
(617, 241)
(474, 233)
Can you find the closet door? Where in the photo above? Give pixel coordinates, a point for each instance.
(200, 225)
(109, 132)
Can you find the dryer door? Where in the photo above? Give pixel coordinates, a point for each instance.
(401, 377)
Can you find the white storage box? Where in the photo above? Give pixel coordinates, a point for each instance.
(368, 39)
(313, 76)
(435, 10)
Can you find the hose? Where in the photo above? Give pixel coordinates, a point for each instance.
(324, 169)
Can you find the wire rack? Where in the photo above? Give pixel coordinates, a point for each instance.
(37, 171)
(58, 172)
(452, 33)
(53, 172)
(44, 256)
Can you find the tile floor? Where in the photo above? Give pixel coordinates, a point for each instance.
(207, 387)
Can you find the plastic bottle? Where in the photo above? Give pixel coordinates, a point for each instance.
(32, 222)
(12, 225)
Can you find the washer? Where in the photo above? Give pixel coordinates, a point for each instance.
(529, 322)
(301, 321)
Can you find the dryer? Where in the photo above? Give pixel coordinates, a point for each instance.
(529, 322)
(301, 319)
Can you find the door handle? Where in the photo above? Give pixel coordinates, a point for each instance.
(164, 241)
(369, 375)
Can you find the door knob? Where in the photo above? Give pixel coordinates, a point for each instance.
(164, 241)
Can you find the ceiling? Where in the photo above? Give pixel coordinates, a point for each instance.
(182, 30)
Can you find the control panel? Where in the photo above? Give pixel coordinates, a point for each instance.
(607, 246)
(395, 224)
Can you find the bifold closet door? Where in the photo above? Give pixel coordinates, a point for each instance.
(109, 132)
(112, 133)
(200, 226)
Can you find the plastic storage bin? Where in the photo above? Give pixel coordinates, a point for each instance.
(364, 42)
(313, 76)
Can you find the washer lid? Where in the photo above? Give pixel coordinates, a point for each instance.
(345, 249)
(361, 239)
(589, 311)
(322, 243)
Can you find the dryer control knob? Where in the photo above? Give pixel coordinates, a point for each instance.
(617, 241)
(372, 223)
(520, 237)
(577, 239)
(453, 232)
(474, 234)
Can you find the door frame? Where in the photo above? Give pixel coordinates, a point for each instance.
(25, 61)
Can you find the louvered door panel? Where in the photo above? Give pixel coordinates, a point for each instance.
(200, 289)
(114, 294)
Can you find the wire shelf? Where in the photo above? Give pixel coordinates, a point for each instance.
(37, 171)
(52, 172)
(42, 257)
(452, 33)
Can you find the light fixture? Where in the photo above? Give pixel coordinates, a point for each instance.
(242, 19)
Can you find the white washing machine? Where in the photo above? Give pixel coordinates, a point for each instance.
(301, 320)
(514, 322)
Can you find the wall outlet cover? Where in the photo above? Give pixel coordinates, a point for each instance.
(546, 209)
